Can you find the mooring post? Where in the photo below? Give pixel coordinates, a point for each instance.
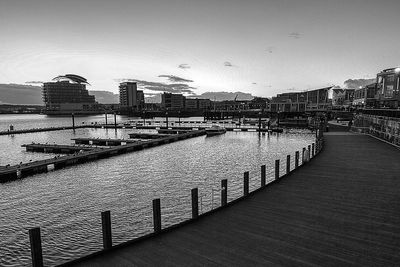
(115, 120)
(296, 160)
(36, 247)
(224, 192)
(277, 169)
(73, 121)
(263, 175)
(195, 203)
(106, 227)
(313, 149)
(245, 183)
(287, 164)
(157, 215)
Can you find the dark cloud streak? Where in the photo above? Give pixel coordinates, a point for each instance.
(175, 79)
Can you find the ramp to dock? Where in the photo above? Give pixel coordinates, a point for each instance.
(341, 209)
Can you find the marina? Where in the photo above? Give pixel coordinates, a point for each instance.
(25, 169)
(163, 171)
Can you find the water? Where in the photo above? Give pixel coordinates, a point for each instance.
(66, 204)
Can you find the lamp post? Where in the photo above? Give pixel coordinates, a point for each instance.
(166, 117)
(105, 113)
(115, 120)
(259, 121)
(278, 117)
(144, 117)
(179, 117)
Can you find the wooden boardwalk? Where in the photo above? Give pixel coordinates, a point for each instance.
(341, 209)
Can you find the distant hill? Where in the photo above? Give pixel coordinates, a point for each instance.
(105, 97)
(220, 96)
(32, 95)
(20, 94)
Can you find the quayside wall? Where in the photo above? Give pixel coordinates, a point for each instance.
(382, 127)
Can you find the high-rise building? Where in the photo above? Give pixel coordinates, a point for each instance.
(68, 94)
(130, 96)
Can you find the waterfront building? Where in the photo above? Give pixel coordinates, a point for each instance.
(197, 104)
(130, 97)
(68, 94)
(313, 100)
(365, 97)
(191, 104)
(388, 87)
(204, 104)
(172, 101)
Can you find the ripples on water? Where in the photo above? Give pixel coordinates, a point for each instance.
(66, 203)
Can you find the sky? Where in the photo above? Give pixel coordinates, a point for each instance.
(262, 47)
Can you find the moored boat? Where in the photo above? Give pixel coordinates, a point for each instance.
(215, 130)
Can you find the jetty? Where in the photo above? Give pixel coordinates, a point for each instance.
(340, 209)
(146, 136)
(102, 141)
(13, 172)
(54, 148)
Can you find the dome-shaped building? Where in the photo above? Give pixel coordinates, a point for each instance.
(67, 94)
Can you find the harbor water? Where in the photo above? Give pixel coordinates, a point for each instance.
(66, 203)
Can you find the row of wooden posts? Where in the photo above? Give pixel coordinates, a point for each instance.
(35, 237)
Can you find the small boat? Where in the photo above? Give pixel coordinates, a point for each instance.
(215, 130)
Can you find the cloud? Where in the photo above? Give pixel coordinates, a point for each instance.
(271, 49)
(34, 82)
(295, 35)
(184, 66)
(175, 79)
(228, 64)
(177, 88)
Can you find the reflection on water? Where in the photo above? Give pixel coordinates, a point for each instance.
(66, 204)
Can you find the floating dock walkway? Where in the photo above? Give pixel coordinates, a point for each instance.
(341, 209)
(54, 148)
(103, 141)
(22, 170)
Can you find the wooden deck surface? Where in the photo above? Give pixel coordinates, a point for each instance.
(341, 209)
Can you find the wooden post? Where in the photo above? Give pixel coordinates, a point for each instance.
(287, 164)
(106, 227)
(224, 192)
(36, 247)
(296, 160)
(303, 156)
(277, 169)
(245, 183)
(157, 215)
(73, 121)
(195, 203)
(263, 175)
(313, 150)
(309, 152)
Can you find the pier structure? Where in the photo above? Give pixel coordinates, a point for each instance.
(25, 169)
(103, 141)
(54, 148)
(334, 210)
